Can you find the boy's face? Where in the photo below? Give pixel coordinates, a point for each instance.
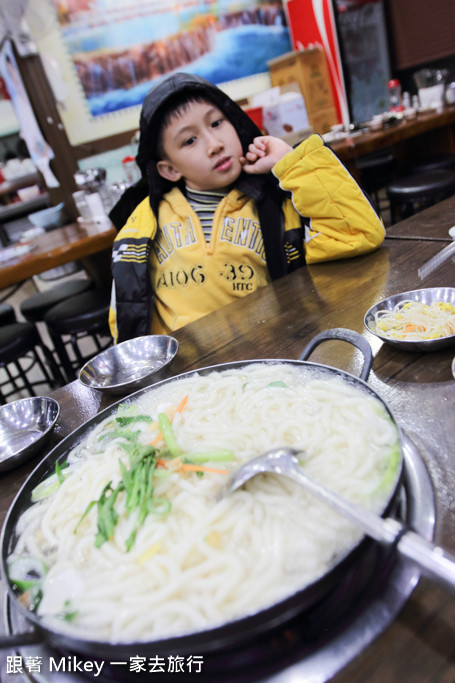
(202, 146)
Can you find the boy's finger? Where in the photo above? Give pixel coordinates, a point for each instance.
(248, 161)
(260, 142)
(257, 152)
(257, 167)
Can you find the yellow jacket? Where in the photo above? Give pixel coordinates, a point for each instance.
(324, 216)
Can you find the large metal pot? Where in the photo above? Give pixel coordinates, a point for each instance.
(231, 634)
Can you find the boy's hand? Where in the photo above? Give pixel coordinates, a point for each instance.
(263, 154)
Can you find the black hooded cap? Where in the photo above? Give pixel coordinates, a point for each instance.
(263, 188)
(151, 183)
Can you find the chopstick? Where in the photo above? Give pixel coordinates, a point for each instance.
(417, 238)
(436, 261)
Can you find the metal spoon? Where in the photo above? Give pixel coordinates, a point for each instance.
(433, 561)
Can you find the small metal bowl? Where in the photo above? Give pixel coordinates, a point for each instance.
(425, 296)
(25, 427)
(130, 365)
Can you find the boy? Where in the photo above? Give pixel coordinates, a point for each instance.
(222, 210)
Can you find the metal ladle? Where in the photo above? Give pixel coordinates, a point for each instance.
(433, 561)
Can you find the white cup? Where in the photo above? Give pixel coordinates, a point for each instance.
(80, 199)
(95, 205)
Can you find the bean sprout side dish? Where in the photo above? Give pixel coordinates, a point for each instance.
(415, 321)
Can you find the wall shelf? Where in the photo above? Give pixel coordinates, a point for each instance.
(16, 209)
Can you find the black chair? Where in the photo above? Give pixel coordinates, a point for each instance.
(376, 171)
(26, 361)
(84, 316)
(433, 162)
(36, 306)
(7, 314)
(409, 195)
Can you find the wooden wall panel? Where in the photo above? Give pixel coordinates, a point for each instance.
(421, 31)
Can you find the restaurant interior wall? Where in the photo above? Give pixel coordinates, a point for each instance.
(111, 140)
(421, 35)
(106, 83)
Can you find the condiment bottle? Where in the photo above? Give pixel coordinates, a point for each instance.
(406, 100)
(395, 101)
(131, 169)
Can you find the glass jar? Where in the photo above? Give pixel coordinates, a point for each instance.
(131, 169)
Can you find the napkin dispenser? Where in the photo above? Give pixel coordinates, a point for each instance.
(431, 87)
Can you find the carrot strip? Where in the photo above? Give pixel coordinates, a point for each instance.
(190, 468)
(199, 468)
(157, 439)
(182, 404)
(180, 407)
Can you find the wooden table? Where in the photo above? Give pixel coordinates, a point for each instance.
(430, 132)
(427, 225)
(63, 245)
(277, 322)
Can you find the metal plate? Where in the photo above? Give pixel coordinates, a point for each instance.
(425, 296)
(130, 365)
(25, 426)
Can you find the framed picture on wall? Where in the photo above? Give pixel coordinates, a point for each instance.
(119, 49)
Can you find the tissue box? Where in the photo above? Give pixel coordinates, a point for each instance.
(281, 112)
(287, 116)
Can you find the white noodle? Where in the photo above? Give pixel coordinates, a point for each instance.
(416, 321)
(210, 561)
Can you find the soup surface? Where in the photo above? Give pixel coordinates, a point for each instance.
(130, 539)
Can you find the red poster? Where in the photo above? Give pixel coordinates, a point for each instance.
(312, 23)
